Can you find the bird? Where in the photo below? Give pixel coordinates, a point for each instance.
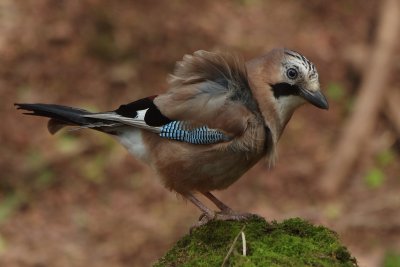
(219, 117)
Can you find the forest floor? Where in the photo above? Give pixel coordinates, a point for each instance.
(78, 198)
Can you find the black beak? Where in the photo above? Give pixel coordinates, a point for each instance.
(316, 98)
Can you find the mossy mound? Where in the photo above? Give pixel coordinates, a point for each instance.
(293, 242)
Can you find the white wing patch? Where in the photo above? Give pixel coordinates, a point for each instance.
(137, 121)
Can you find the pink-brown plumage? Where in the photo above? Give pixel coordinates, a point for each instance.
(187, 168)
(219, 117)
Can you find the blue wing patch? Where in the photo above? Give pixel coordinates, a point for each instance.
(178, 130)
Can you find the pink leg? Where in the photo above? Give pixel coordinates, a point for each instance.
(226, 214)
(200, 205)
(224, 208)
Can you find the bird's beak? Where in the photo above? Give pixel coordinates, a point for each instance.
(316, 98)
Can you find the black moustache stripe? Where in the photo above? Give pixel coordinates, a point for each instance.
(284, 89)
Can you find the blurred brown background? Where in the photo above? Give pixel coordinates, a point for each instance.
(79, 199)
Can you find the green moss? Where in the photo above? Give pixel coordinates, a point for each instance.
(293, 242)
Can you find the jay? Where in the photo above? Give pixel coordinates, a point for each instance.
(220, 116)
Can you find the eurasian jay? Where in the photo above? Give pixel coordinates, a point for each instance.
(220, 116)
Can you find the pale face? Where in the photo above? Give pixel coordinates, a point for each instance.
(299, 82)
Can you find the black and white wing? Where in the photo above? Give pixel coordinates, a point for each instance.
(144, 114)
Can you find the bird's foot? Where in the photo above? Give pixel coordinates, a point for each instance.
(203, 220)
(225, 215)
(230, 215)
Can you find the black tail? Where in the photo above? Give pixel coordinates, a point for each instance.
(61, 116)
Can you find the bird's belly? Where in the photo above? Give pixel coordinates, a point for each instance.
(220, 174)
(188, 167)
(204, 170)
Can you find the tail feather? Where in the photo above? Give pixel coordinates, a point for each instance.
(54, 125)
(61, 116)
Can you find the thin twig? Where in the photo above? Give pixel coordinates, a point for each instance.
(232, 246)
(244, 247)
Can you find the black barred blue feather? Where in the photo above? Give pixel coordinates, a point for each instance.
(179, 131)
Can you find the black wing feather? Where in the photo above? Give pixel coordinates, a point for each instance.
(153, 115)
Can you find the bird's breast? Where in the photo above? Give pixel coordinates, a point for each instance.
(189, 167)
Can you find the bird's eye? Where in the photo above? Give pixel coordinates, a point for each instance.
(292, 73)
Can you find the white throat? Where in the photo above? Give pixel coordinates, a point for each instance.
(286, 105)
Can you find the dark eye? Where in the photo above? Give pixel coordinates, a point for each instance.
(292, 73)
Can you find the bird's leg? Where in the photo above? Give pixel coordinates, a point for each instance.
(207, 215)
(224, 208)
(226, 213)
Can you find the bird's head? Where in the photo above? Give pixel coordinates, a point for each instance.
(297, 81)
(292, 78)
(284, 79)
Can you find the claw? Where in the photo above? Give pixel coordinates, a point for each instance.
(203, 220)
